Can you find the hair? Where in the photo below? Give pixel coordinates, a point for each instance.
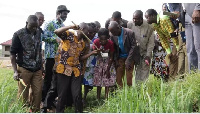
(93, 25)
(32, 18)
(97, 24)
(116, 14)
(151, 12)
(103, 31)
(138, 12)
(39, 13)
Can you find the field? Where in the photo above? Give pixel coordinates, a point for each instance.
(152, 96)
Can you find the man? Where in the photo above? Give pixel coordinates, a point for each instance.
(144, 34)
(41, 20)
(69, 68)
(26, 47)
(165, 29)
(116, 16)
(124, 42)
(180, 25)
(51, 45)
(192, 28)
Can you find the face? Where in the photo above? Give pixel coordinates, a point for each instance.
(118, 20)
(85, 31)
(103, 39)
(149, 18)
(91, 33)
(32, 26)
(40, 20)
(137, 20)
(115, 31)
(164, 8)
(63, 15)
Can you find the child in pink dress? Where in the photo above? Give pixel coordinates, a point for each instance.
(104, 72)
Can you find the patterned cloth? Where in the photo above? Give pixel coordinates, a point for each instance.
(89, 72)
(49, 37)
(158, 67)
(28, 49)
(72, 49)
(164, 27)
(100, 78)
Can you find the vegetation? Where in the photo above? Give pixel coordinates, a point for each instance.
(153, 95)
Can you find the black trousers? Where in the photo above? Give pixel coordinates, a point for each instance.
(52, 94)
(48, 76)
(64, 84)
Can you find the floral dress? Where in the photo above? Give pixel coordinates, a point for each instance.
(159, 68)
(100, 78)
(89, 72)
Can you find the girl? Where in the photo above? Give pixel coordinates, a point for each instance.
(104, 72)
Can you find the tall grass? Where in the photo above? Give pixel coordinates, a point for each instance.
(8, 93)
(156, 96)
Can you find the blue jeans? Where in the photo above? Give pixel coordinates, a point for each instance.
(192, 32)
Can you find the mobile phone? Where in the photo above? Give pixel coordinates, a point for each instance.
(183, 36)
(173, 34)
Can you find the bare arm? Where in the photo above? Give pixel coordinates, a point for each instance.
(59, 31)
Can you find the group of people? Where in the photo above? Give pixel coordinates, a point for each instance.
(89, 55)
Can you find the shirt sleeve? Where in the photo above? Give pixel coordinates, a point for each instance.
(95, 43)
(16, 45)
(49, 35)
(129, 25)
(112, 49)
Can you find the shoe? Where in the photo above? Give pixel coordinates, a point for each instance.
(43, 110)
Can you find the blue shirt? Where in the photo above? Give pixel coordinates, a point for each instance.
(49, 37)
(122, 53)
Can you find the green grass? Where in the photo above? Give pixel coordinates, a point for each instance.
(152, 96)
(8, 93)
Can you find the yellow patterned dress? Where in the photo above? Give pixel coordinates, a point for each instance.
(163, 28)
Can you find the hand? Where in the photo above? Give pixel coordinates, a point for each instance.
(75, 27)
(107, 73)
(147, 59)
(196, 16)
(94, 52)
(58, 40)
(16, 76)
(175, 16)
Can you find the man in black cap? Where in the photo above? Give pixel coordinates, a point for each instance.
(51, 45)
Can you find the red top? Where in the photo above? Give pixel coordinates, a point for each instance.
(109, 45)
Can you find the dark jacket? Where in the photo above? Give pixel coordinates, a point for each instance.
(28, 49)
(130, 46)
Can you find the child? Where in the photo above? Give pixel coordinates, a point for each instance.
(104, 72)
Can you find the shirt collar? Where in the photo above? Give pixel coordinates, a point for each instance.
(56, 21)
